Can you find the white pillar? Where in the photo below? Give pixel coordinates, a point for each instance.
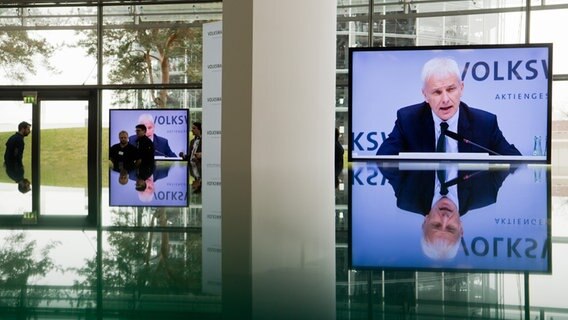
(278, 227)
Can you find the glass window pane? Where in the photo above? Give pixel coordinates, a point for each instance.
(425, 6)
(63, 157)
(158, 44)
(535, 3)
(560, 101)
(544, 289)
(474, 29)
(544, 28)
(38, 44)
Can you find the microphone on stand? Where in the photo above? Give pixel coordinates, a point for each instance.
(458, 137)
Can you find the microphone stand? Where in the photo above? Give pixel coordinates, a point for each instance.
(481, 147)
(458, 137)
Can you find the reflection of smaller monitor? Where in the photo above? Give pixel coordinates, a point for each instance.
(165, 187)
(168, 128)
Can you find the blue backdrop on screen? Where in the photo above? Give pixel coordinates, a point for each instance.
(506, 229)
(170, 124)
(512, 82)
(167, 187)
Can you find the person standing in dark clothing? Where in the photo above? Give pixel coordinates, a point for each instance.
(15, 145)
(145, 147)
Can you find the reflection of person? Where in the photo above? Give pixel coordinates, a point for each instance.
(145, 189)
(123, 155)
(417, 127)
(123, 177)
(145, 183)
(442, 230)
(13, 157)
(144, 146)
(161, 145)
(144, 178)
(16, 173)
(194, 156)
(420, 191)
(194, 145)
(338, 157)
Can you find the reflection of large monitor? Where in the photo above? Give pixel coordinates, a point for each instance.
(510, 82)
(493, 217)
(167, 186)
(170, 129)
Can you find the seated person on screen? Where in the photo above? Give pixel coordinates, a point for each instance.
(161, 145)
(123, 155)
(418, 127)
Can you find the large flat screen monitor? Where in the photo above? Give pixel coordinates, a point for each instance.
(168, 129)
(489, 217)
(496, 100)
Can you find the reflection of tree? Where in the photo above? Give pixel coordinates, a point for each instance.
(164, 266)
(148, 53)
(135, 262)
(19, 266)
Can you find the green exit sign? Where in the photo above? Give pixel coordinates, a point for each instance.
(30, 96)
(29, 99)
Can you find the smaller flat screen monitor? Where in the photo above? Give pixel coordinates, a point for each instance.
(168, 129)
(165, 186)
(495, 98)
(486, 217)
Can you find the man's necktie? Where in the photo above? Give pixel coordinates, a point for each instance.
(442, 178)
(441, 146)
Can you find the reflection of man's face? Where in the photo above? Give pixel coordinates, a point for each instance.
(443, 222)
(123, 177)
(123, 137)
(148, 194)
(443, 94)
(24, 186)
(149, 128)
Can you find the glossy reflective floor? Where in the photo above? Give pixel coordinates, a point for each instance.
(157, 262)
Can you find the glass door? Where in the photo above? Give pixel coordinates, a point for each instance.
(61, 158)
(15, 179)
(66, 161)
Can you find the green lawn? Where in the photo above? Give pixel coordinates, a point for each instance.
(63, 157)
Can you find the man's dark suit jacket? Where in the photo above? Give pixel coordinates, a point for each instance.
(414, 132)
(161, 146)
(414, 189)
